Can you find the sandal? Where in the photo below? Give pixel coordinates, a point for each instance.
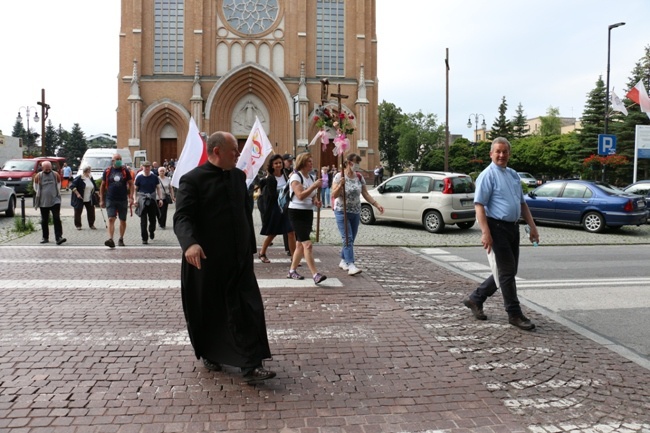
(263, 258)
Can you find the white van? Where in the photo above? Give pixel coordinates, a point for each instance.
(100, 159)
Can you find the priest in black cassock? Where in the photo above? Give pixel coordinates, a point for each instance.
(221, 299)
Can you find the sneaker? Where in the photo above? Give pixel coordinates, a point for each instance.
(109, 243)
(477, 310)
(120, 242)
(295, 275)
(353, 270)
(343, 265)
(521, 322)
(319, 278)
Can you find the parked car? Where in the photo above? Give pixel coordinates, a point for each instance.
(433, 199)
(527, 178)
(641, 187)
(594, 205)
(18, 173)
(7, 200)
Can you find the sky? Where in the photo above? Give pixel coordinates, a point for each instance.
(540, 53)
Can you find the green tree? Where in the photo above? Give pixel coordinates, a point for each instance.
(593, 122)
(520, 126)
(418, 135)
(75, 146)
(390, 117)
(51, 139)
(551, 124)
(502, 127)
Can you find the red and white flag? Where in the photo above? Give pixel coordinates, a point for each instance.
(617, 104)
(639, 95)
(255, 151)
(194, 153)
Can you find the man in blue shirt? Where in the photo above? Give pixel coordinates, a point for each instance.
(149, 197)
(499, 203)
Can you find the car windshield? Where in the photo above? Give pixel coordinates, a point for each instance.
(97, 162)
(525, 175)
(18, 165)
(609, 189)
(462, 184)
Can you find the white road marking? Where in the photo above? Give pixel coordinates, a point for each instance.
(117, 261)
(552, 384)
(499, 365)
(541, 403)
(590, 298)
(625, 427)
(150, 284)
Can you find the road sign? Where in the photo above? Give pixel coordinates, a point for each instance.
(606, 144)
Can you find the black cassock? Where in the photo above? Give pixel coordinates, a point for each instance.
(222, 302)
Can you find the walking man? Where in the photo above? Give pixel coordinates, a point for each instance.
(499, 203)
(221, 298)
(116, 195)
(67, 175)
(47, 186)
(149, 200)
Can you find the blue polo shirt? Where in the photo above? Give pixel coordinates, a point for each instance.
(499, 191)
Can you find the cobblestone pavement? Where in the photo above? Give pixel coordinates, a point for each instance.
(93, 340)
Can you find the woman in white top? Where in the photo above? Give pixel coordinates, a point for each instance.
(166, 184)
(83, 190)
(355, 187)
(304, 196)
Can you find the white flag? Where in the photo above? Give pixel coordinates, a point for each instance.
(255, 151)
(617, 104)
(194, 153)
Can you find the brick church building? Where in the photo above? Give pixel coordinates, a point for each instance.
(225, 62)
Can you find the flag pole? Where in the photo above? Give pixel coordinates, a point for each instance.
(340, 96)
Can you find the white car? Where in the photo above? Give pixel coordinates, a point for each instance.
(7, 200)
(433, 199)
(528, 179)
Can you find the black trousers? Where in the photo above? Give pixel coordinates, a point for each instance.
(45, 218)
(90, 213)
(505, 243)
(149, 212)
(162, 214)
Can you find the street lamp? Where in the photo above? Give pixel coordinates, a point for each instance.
(19, 119)
(609, 39)
(469, 125)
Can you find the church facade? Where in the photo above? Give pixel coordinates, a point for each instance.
(227, 62)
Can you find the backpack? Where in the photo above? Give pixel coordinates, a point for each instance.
(286, 195)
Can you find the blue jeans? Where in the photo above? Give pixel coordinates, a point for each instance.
(347, 252)
(325, 197)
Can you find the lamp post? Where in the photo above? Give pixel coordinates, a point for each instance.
(469, 125)
(19, 119)
(609, 39)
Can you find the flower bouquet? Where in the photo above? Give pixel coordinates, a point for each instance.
(333, 124)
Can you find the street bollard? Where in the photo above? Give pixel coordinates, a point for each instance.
(22, 208)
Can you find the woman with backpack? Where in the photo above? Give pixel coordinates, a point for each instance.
(274, 221)
(304, 196)
(355, 187)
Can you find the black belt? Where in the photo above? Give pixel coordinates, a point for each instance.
(502, 221)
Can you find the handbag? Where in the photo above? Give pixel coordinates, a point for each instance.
(168, 198)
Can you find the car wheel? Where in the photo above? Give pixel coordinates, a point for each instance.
(593, 222)
(466, 225)
(433, 222)
(367, 216)
(11, 210)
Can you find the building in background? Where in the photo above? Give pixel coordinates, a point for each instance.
(225, 62)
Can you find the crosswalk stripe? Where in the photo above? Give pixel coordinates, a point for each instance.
(264, 283)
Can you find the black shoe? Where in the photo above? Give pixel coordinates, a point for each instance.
(109, 243)
(288, 253)
(477, 310)
(257, 375)
(120, 242)
(145, 243)
(151, 235)
(521, 322)
(60, 241)
(212, 366)
(44, 241)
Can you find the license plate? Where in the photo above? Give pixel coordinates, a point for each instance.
(641, 204)
(466, 203)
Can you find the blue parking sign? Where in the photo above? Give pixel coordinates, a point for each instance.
(606, 144)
